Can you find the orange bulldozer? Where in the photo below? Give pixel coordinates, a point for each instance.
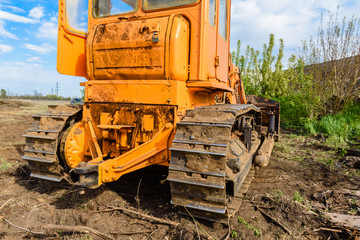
(160, 89)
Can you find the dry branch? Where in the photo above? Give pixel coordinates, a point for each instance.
(159, 220)
(78, 229)
(23, 229)
(327, 229)
(5, 203)
(271, 218)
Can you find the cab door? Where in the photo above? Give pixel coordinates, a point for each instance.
(222, 41)
(73, 22)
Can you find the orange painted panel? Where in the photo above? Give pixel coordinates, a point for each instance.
(132, 49)
(179, 49)
(71, 48)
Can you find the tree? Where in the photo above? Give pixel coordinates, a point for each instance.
(262, 76)
(3, 93)
(333, 61)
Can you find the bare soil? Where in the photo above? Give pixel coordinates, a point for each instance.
(286, 200)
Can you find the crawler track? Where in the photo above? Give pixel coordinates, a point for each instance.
(42, 142)
(201, 176)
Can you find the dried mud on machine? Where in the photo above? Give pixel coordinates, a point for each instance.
(160, 89)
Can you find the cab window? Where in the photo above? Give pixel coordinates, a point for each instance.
(104, 8)
(156, 4)
(212, 12)
(77, 15)
(223, 18)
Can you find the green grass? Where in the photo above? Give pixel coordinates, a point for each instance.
(234, 234)
(337, 129)
(297, 113)
(257, 231)
(4, 164)
(297, 197)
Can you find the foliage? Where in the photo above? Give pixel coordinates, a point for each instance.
(333, 61)
(262, 76)
(257, 231)
(3, 93)
(82, 94)
(234, 234)
(318, 86)
(4, 165)
(340, 127)
(297, 197)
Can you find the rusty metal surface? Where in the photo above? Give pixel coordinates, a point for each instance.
(42, 142)
(126, 50)
(267, 106)
(143, 123)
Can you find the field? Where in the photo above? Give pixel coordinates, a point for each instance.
(289, 199)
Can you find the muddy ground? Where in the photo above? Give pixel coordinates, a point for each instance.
(288, 199)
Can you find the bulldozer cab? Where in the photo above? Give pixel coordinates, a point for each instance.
(192, 36)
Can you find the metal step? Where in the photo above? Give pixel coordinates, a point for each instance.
(203, 207)
(42, 160)
(184, 169)
(226, 125)
(46, 177)
(196, 183)
(40, 137)
(60, 115)
(39, 151)
(44, 131)
(198, 152)
(201, 143)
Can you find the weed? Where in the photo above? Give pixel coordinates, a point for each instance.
(4, 164)
(297, 197)
(60, 233)
(87, 238)
(330, 162)
(257, 231)
(234, 234)
(338, 128)
(242, 221)
(278, 194)
(342, 152)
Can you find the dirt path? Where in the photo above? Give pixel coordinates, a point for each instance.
(302, 182)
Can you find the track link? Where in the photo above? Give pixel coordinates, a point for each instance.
(42, 142)
(199, 174)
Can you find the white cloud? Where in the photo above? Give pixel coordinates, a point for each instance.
(34, 59)
(36, 13)
(293, 21)
(6, 48)
(41, 49)
(4, 33)
(15, 18)
(48, 30)
(13, 8)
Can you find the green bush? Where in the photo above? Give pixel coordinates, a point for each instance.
(340, 127)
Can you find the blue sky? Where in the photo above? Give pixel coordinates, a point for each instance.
(28, 31)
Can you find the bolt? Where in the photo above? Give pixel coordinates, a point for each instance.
(163, 157)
